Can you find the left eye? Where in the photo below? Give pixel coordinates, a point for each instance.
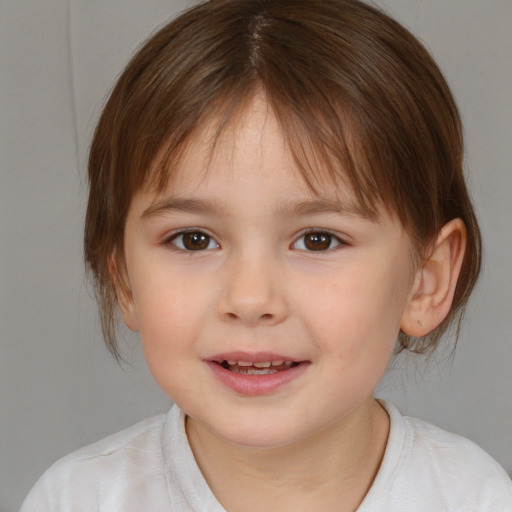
(317, 241)
(194, 241)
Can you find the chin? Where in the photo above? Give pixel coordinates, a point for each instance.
(261, 435)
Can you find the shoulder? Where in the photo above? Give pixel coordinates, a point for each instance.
(130, 460)
(448, 451)
(424, 464)
(446, 448)
(141, 440)
(461, 470)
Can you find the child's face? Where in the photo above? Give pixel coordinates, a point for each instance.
(244, 263)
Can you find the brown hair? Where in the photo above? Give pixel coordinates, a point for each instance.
(351, 88)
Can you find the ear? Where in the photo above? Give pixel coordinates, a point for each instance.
(119, 276)
(435, 283)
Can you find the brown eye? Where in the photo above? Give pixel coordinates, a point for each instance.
(194, 241)
(317, 241)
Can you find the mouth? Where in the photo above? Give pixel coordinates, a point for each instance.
(256, 374)
(257, 368)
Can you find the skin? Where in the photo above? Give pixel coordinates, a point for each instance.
(257, 287)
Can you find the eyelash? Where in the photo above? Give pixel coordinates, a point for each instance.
(321, 233)
(171, 240)
(323, 237)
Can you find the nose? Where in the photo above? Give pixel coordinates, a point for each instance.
(254, 293)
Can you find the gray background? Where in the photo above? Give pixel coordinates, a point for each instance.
(59, 389)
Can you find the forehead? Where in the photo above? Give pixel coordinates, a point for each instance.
(251, 148)
(250, 143)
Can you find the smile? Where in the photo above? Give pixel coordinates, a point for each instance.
(262, 368)
(261, 374)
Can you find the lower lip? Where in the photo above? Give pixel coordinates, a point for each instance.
(256, 385)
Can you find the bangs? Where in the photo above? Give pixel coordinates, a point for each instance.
(324, 153)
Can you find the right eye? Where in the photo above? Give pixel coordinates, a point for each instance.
(193, 241)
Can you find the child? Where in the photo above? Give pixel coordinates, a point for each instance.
(276, 198)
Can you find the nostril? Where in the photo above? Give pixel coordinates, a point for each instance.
(249, 311)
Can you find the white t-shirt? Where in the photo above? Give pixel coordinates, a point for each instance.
(150, 467)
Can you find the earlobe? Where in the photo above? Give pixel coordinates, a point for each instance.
(124, 294)
(435, 282)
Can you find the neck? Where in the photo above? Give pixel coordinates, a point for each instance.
(330, 470)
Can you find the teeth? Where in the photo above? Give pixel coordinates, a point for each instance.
(252, 370)
(267, 364)
(264, 364)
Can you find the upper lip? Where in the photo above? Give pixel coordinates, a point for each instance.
(255, 357)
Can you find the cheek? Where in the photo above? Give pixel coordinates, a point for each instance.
(168, 311)
(169, 333)
(358, 316)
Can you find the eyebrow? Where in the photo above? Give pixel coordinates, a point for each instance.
(185, 205)
(284, 209)
(320, 206)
